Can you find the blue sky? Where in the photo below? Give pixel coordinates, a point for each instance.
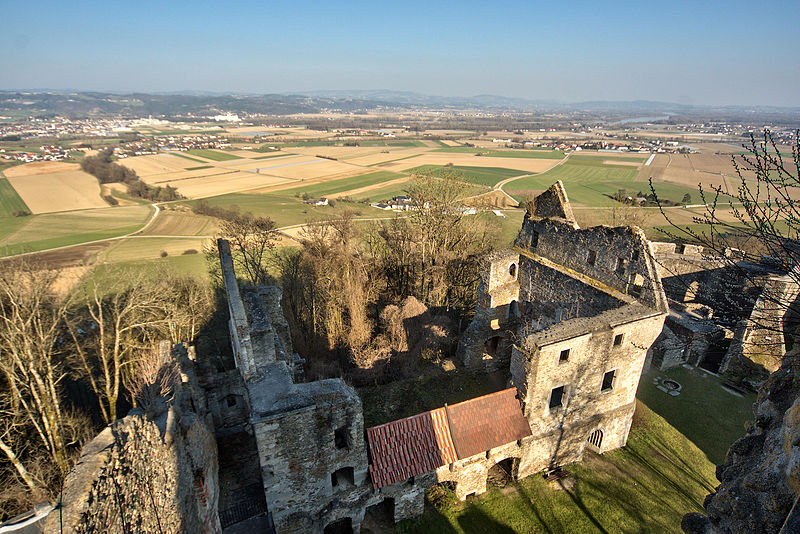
(687, 52)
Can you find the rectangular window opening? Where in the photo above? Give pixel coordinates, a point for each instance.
(340, 438)
(592, 259)
(343, 477)
(534, 239)
(608, 381)
(556, 396)
(618, 339)
(564, 356)
(620, 265)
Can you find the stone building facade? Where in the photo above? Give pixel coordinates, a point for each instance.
(575, 311)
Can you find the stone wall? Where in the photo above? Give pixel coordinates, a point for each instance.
(620, 258)
(760, 478)
(145, 473)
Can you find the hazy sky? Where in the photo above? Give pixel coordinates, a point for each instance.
(688, 52)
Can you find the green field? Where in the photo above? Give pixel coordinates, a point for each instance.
(284, 210)
(344, 184)
(50, 230)
(213, 155)
(591, 182)
(175, 153)
(10, 201)
(487, 176)
(645, 487)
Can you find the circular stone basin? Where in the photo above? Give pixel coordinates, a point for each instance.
(671, 387)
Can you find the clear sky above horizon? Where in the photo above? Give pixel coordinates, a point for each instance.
(717, 53)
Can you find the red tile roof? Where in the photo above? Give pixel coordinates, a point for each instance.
(421, 443)
(484, 423)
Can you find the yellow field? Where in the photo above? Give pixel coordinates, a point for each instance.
(470, 160)
(175, 222)
(39, 167)
(689, 170)
(450, 143)
(66, 190)
(149, 248)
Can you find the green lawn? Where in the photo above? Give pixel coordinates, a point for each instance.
(50, 230)
(645, 487)
(10, 201)
(344, 184)
(591, 182)
(213, 155)
(706, 414)
(487, 176)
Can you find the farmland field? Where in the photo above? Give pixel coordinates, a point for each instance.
(591, 182)
(213, 155)
(55, 186)
(525, 165)
(540, 154)
(50, 230)
(10, 201)
(477, 175)
(345, 184)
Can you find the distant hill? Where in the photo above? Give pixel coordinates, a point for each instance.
(191, 103)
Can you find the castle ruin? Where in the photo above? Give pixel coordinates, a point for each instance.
(570, 312)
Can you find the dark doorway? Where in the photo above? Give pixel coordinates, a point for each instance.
(513, 310)
(492, 346)
(501, 474)
(379, 517)
(715, 354)
(342, 526)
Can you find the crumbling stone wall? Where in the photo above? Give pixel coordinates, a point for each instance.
(471, 474)
(143, 475)
(498, 310)
(550, 296)
(760, 478)
(759, 342)
(620, 258)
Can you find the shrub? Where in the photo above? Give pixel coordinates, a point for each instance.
(189, 251)
(21, 213)
(164, 254)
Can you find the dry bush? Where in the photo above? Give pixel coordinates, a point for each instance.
(154, 376)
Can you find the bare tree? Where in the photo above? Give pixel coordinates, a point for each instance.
(759, 219)
(153, 375)
(120, 315)
(252, 240)
(31, 317)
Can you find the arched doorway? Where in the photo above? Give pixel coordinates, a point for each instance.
(342, 526)
(501, 474)
(595, 439)
(379, 517)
